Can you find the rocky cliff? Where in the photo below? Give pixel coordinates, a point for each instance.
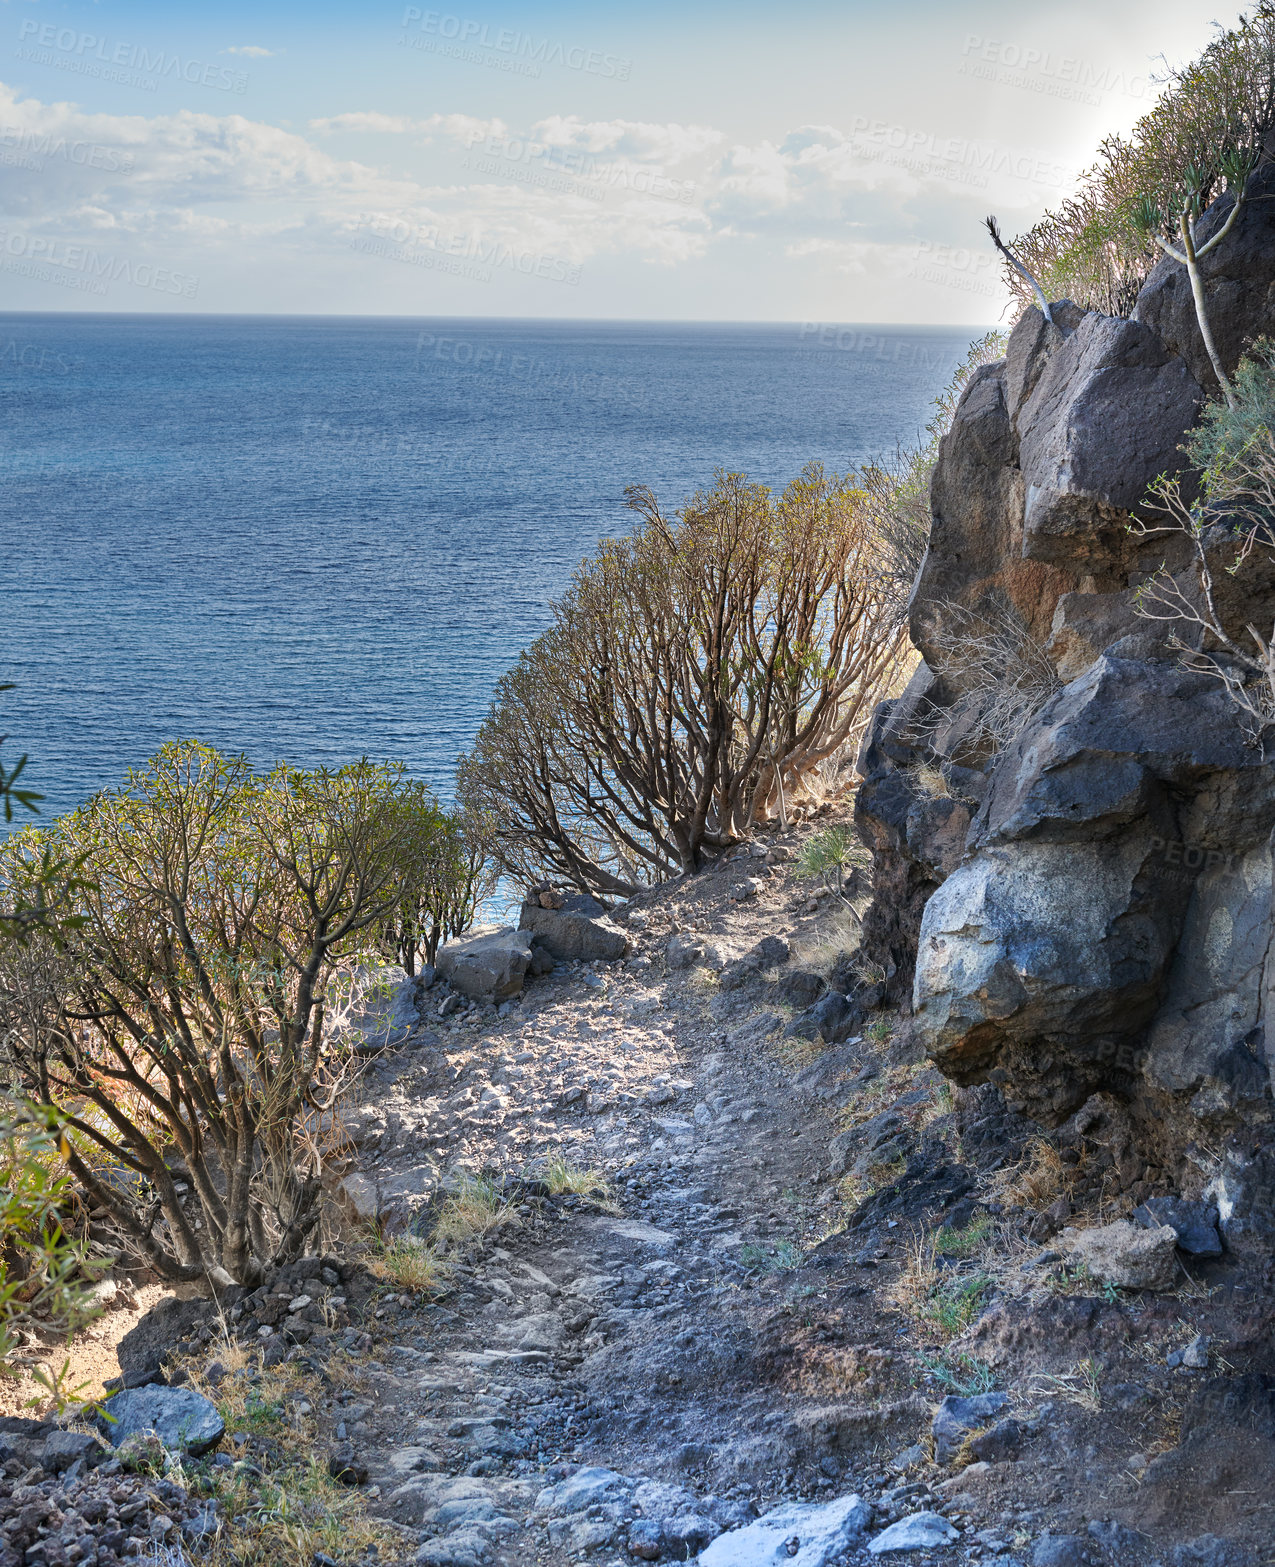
(1086, 909)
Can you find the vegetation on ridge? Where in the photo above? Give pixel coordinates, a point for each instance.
(1097, 248)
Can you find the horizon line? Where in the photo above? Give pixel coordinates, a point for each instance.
(273, 315)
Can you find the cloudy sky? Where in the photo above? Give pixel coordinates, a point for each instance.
(689, 160)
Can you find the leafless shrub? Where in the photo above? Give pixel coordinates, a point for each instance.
(1001, 673)
(1227, 526)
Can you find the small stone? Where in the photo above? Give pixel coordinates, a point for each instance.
(646, 1539)
(917, 1532)
(300, 1303)
(344, 1465)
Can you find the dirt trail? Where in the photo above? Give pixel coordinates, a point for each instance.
(804, 1249)
(626, 1385)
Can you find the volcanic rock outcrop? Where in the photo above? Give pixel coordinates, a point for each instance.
(1086, 907)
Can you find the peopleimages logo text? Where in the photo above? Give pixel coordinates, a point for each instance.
(94, 265)
(508, 40)
(88, 154)
(74, 45)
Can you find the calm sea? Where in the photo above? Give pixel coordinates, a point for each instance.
(326, 538)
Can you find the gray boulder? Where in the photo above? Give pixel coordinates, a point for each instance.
(1106, 416)
(383, 1013)
(918, 1532)
(1125, 1255)
(64, 1448)
(835, 1017)
(769, 951)
(824, 1531)
(184, 1421)
(1060, 1550)
(801, 988)
(956, 1418)
(490, 967)
(579, 929)
(1194, 1223)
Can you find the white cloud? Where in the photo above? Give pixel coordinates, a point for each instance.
(649, 143)
(253, 51)
(467, 128)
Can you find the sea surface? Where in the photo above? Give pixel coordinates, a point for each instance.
(323, 538)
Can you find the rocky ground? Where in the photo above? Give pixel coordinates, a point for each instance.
(803, 1249)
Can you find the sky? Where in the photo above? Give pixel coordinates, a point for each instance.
(808, 161)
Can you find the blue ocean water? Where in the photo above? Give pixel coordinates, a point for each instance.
(320, 538)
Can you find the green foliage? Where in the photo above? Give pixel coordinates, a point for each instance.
(827, 856)
(954, 1301)
(959, 1372)
(966, 1242)
(1229, 520)
(444, 875)
(45, 1274)
(10, 793)
(786, 1256)
(1232, 440)
(1097, 247)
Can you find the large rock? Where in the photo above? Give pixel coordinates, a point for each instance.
(1194, 1223)
(142, 1350)
(1083, 819)
(824, 1531)
(490, 967)
(918, 1532)
(184, 1421)
(958, 1418)
(1106, 416)
(580, 929)
(1126, 1255)
(1089, 908)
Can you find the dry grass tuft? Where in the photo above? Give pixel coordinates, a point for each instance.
(1039, 1181)
(409, 1263)
(946, 1300)
(475, 1208)
(1079, 1386)
(561, 1176)
(928, 780)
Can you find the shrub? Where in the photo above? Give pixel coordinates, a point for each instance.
(827, 855)
(1096, 248)
(444, 876)
(1230, 519)
(697, 672)
(44, 1272)
(180, 1030)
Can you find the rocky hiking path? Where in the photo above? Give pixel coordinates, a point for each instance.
(750, 1327)
(732, 1275)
